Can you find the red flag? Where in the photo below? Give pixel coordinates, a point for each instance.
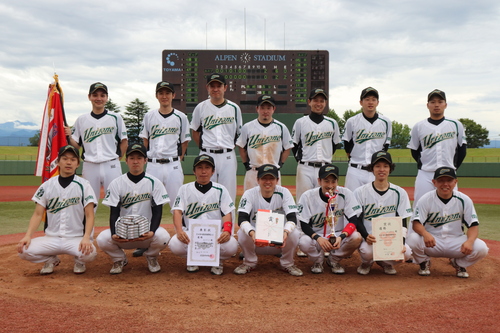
(52, 136)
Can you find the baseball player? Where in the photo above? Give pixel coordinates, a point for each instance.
(216, 124)
(365, 134)
(135, 193)
(269, 196)
(314, 138)
(312, 207)
(380, 198)
(165, 132)
(263, 141)
(436, 142)
(439, 220)
(68, 202)
(203, 199)
(103, 136)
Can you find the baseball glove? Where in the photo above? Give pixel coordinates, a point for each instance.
(131, 226)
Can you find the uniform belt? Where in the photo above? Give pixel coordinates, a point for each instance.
(163, 160)
(216, 151)
(314, 164)
(359, 166)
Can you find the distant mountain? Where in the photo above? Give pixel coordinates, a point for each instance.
(18, 129)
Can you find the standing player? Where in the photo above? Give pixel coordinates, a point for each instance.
(439, 220)
(314, 138)
(68, 202)
(203, 199)
(103, 136)
(365, 134)
(436, 142)
(165, 132)
(263, 141)
(135, 193)
(216, 124)
(380, 198)
(269, 196)
(312, 207)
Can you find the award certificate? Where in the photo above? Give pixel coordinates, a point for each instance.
(389, 244)
(203, 249)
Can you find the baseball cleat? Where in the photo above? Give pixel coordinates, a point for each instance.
(118, 266)
(153, 264)
(292, 270)
(364, 269)
(326, 254)
(388, 269)
(139, 252)
(79, 268)
(425, 268)
(317, 268)
(242, 269)
(192, 269)
(48, 268)
(336, 267)
(216, 270)
(461, 271)
(300, 253)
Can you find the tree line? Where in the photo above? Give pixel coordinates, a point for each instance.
(477, 135)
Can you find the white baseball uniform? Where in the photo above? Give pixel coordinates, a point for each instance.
(393, 202)
(65, 221)
(367, 138)
(438, 144)
(100, 139)
(135, 199)
(312, 210)
(212, 205)
(264, 145)
(251, 201)
(316, 143)
(165, 136)
(219, 127)
(445, 222)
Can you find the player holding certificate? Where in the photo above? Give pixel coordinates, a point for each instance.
(380, 198)
(268, 196)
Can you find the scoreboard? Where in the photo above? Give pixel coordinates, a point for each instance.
(288, 76)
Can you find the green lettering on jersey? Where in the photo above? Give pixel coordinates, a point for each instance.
(91, 134)
(312, 138)
(362, 136)
(55, 205)
(257, 140)
(130, 199)
(211, 122)
(431, 140)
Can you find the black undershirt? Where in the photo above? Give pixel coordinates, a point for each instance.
(371, 120)
(166, 115)
(65, 181)
(265, 125)
(203, 188)
(316, 118)
(99, 116)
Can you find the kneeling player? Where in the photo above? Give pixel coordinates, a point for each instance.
(135, 193)
(314, 223)
(269, 196)
(380, 198)
(69, 203)
(438, 222)
(203, 199)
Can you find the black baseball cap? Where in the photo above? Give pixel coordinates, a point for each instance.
(216, 77)
(381, 155)
(69, 148)
(268, 169)
(266, 99)
(445, 172)
(368, 91)
(97, 86)
(204, 158)
(137, 147)
(327, 170)
(438, 92)
(316, 92)
(165, 84)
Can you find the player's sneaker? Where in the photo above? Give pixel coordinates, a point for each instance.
(292, 270)
(242, 269)
(153, 264)
(118, 266)
(317, 268)
(336, 267)
(192, 269)
(300, 253)
(327, 254)
(217, 270)
(79, 268)
(425, 268)
(364, 269)
(48, 268)
(388, 269)
(461, 271)
(139, 252)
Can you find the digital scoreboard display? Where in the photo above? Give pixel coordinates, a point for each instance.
(288, 76)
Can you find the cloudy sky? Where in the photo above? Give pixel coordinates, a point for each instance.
(403, 48)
